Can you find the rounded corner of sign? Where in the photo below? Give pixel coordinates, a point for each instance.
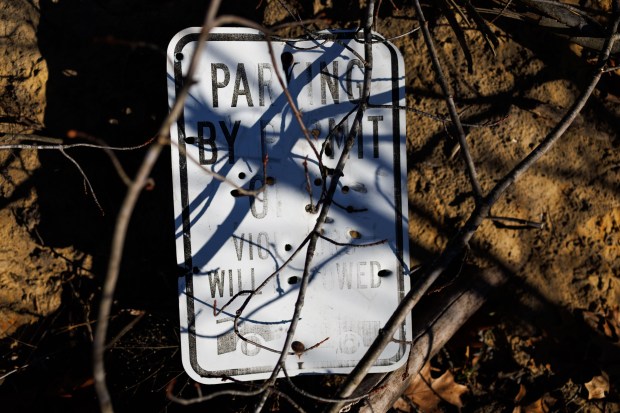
(179, 37)
(401, 362)
(192, 369)
(396, 364)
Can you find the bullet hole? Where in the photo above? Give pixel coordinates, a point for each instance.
(298, 347)
(235, 193)
(293, 280)
(287, 64)
(329, 220)
(311, 209)
(190, 140)
(149, 185)
(241, 175)
(179, 56)
(350, 209)
(270, 180)
(288, 247)
(287, 59)
(328, 149)
(384, 273)
(345, 189)
(318, 182)
(355, 234)
(195, 270)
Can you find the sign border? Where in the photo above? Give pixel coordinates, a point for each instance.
(181, 41)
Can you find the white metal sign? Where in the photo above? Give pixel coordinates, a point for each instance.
(237, 123)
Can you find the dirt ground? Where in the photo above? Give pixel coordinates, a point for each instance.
(98, 67)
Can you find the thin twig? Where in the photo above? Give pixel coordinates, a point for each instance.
(113, 158)
(210, 396)
(126, 329)
(441, 119)
(519, 221)
(216, 176)
(289, 399)
(86, 180)
(338, 172)
(347, 244)
(319, 398)
(118, 242)
(264, 283)
(72, 145)
(454, 116)
(501, 12)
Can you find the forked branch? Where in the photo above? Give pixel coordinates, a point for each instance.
(461, 240)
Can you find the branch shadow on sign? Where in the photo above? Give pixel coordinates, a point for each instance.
(246, 149)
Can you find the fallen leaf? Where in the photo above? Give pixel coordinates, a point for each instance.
(604, 324)
(521, 393)
(426, 392)
(598, 386)
(538, 406)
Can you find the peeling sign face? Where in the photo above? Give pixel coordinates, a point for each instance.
(238, 123)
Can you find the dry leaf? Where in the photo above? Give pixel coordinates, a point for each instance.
(538, 406)
(426, 392)
(605, 324)
(521, 393)
(598, 386)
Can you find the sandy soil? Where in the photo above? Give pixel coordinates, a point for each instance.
(98, 67)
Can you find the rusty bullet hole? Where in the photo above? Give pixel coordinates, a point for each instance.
(190, 140)
(270, 180)
(241, 175)
(288, 247)
(287, 64)
(355, 234)
(298, 347)
(293, 280)
(315, 133)
(235, 193)
(287, 59)
(318, 182)
(345, 189)
(149, 185)
(328, 150)
(384, 273)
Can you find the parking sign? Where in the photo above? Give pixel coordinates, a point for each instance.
(237, 123)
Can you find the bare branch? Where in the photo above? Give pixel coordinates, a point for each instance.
(461, 240)
(122, 222)
(210, 396)
(338, 172)
(86, 180)
(454, 116)
(66, 146)
(435, 326)
(346, 244)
